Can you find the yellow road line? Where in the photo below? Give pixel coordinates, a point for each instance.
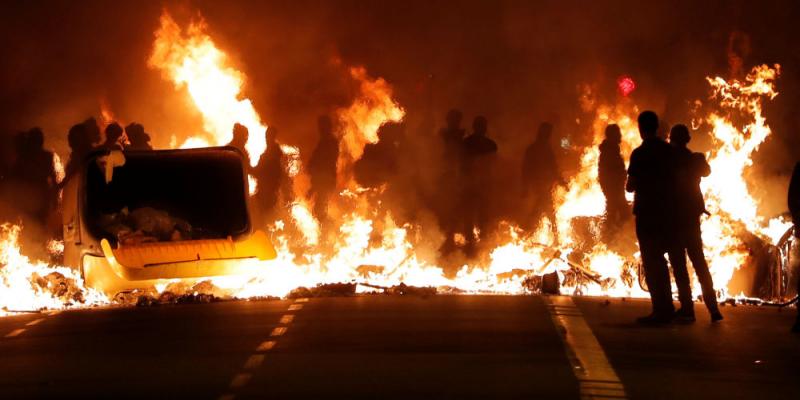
(596, 376)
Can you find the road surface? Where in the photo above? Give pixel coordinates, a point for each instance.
(398, 347)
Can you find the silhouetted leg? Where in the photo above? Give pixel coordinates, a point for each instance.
(677, 259)
(694, 247)
(655, 266)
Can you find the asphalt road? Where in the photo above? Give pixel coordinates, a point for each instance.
(382, 347)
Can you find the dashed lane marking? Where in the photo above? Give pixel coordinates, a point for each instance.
(254, 361)
(257, 358)
(240, 380)
(596, 377)
(15, 332)
(279, 331)
(34, 322)
(265, 346)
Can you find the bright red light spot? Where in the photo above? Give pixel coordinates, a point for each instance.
(625, 85)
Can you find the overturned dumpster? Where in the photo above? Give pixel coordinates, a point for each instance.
(135, 219)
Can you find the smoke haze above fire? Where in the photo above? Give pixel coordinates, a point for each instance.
(517, 63)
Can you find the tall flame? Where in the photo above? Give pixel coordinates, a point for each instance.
(192, 60)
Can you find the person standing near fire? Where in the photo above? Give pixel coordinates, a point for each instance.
(271, 176)
(651, 179)
(449, 180)
(794, 209)
(540, 175)
(239, 140)
(480, 154)
(322, 168)
(611, 175)
(689, 206)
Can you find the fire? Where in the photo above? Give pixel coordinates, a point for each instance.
(27, 285)
(191, 59)
(368, 246)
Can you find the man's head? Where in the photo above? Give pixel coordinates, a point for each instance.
(454, 119)
(648, 124)
(113, 132)
(78, 139)
(679, 135)
(240, 134)
(480, 125)
(92, 130)
(613, 134)
(545, 132)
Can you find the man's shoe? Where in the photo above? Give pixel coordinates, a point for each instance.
(716, 316)
(684, 316)
(654, 319)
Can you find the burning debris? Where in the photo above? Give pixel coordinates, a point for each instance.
(358, 208)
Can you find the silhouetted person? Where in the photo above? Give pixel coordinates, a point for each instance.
(479, 158)
(92, 131)
(115, 139)
(794, 209)
(239, 140)
(322, 167)
(651, 179)
(689, 206)
(270, 174)
(80, 146)
(540, 175)
(611, 174)
(138, 138)
(379, 162)
(449, 181)
(35, 176)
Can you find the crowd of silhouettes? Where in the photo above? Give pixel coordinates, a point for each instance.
(664, 178)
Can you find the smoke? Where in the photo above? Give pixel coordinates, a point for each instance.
(517, 63)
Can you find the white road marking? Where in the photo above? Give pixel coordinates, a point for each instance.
(596, 376)
(240, 380)
(295, 307)
(287, 319)
(301, 300)
(15, 332)
(278, 331)
(254, 361)
(34, 322)
(266, 346)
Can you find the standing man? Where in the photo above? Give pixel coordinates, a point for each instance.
(611, 174)
(480, 156)
(651, 179)
(794, 208)
(540, 175)
(689, 206)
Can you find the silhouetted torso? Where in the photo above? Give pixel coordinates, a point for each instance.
(690, 169)
(539, 167)
(611, 169)
(651, 176)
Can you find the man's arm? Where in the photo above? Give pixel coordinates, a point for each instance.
(633, 172)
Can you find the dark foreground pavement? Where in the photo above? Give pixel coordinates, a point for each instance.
(378, 347)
